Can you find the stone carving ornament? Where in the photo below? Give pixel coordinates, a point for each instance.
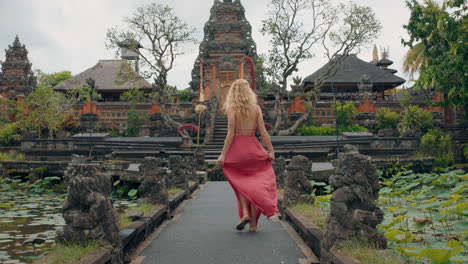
(88, 210)
(153, 187)
(353, 208)
(297, 187)
(279, 165)
(178, 172)
(226, 62)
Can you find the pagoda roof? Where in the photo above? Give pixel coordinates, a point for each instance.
(384, 62)
(104, 73)
(352, 69)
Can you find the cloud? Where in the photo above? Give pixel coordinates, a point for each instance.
(70, 35)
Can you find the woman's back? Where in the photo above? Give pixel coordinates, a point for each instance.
(247, 125)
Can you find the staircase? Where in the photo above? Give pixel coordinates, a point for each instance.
(214, 148)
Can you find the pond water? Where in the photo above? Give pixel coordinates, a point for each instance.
(25, 215)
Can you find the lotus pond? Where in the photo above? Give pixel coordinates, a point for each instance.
(29, 211)
(425, 215)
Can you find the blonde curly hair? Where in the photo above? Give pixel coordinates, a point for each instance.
(240, 98)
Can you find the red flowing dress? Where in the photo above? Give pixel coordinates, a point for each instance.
(248, 169)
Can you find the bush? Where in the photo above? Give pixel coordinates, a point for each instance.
(387, 118)
(12, 155)
(438, 145)
(416, 118)
(8, 132)
(352, 128)
(328, 131)
(316, 131)
(344, 113)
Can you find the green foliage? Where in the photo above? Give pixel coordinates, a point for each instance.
(84, 93)
(316, 131)
(132, 193)
(315, 214)
(328, 130)
(438, 145)
(393, 167)
(420, 208)
(9, 132)
(365, 252)
(135, 119)
(185, 95)
(71, 253)
(124, 221)
(52, 79)
(416, 118)
(12, 155)
(387, 118)
(345, 113)
(172, 191)
(442, 31)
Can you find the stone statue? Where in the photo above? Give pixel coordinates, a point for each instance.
(199, 156)
(297, 187)
(190, 168)
(153, 187)
(279, 165)
(353, 208)
(88, 210)
(178, 173)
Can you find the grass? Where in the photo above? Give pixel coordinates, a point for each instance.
(173, 191)
(144, 207)
(365, 252)
(317, 216)
(71, 253)
(124, 220)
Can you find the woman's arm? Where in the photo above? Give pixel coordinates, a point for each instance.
(264, 134)
(230, 135)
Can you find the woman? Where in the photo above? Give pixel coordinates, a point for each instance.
(245, 163)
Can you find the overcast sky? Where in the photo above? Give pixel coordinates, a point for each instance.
(70, 34)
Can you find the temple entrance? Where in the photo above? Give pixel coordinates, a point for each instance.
(226, 79)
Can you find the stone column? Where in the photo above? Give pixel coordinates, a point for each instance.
(297, 187)
(353, 205)
(153, 187)
(88, 210)
(178, 174)
(199, 156)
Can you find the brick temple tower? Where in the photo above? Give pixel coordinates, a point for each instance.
(227, 51)
(16, 78)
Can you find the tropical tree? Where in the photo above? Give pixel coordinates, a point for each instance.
(157, 35)
(46, 108)
(414, 58)
(442, 32)
(297, 28)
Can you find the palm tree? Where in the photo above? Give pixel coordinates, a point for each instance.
(416, 56)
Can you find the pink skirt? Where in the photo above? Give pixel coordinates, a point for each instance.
(249, 171)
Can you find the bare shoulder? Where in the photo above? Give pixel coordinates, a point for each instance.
(258, 108)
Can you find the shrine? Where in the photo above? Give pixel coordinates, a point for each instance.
(16, 78)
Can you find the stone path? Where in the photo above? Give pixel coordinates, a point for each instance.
(204, 233)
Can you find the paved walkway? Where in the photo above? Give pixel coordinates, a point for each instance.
(204, 234)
